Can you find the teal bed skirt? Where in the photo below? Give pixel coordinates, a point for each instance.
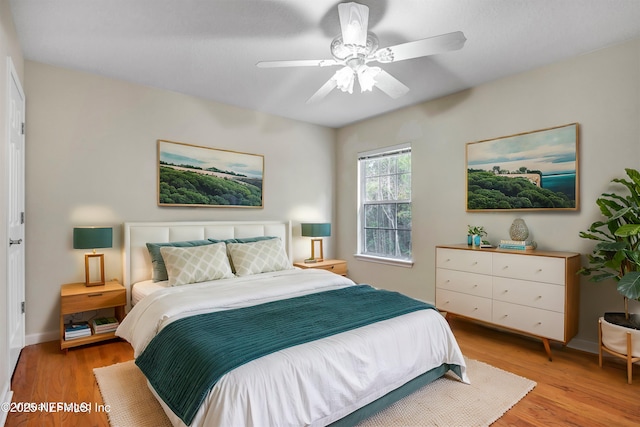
(395, 395)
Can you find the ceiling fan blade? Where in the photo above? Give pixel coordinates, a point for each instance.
(354, 21)
(424, 47)
(298, 63)
(390, 85)
(323, 91)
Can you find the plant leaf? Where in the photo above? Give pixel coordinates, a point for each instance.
(628, 230)
(602, 277)
(629, 285)
(610, 246)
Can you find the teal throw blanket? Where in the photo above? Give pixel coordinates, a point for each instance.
(185, 360)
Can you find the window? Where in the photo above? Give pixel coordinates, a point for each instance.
(385, 204)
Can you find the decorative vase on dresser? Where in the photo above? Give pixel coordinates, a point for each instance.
(534, 293)
(518, 230)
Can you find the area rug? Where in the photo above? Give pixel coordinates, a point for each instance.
(444, 402)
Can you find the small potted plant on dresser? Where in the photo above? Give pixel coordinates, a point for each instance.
(616, 256)
(475, 235)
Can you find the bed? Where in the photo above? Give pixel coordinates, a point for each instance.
(319, 365)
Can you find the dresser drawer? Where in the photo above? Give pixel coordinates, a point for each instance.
(462, 281)
(92, 301)
(533, 268)
(471, 261)
(463, 304)
(533, 294)
(543, 323)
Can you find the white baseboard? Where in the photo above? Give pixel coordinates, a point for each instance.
(41, 337)
(584, 345)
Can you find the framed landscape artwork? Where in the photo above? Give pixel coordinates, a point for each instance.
(190, 175)
(529, 171)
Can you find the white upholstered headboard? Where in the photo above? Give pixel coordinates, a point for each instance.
(137, 262)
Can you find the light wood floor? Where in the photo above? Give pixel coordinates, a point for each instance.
(571, 390)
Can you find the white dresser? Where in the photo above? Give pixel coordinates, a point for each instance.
(535, 292)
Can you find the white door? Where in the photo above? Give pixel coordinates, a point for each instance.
(15, 217)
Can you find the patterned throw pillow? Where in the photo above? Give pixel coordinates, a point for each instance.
(196, 264)
(159, 272)
(259, 257)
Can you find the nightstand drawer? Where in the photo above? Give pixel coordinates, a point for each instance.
(92, 301)
(338, 268)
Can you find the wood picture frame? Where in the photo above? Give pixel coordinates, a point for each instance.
(531, 171)
(197, 176)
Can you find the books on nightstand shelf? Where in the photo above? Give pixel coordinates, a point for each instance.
(77, 330)
(102, 325)
(517, 244)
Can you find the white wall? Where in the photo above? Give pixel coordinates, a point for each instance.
(9, 47)
(600, 91)
(91, 159)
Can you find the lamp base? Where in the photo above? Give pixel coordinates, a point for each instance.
(313, 251)
(99, 265)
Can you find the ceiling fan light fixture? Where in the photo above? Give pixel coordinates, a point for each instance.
(344, 78)
(367, 77)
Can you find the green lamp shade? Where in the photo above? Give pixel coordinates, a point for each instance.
(92, 237)
(316, 230)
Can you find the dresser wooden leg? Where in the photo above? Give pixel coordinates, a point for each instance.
(547, 348)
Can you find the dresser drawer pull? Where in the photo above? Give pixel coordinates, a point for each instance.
(94, 295)
(333, 266)
(505, 267)
(539, 270)
(475, 263)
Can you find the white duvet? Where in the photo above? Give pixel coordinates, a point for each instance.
(312, 384)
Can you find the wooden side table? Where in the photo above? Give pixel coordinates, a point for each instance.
(77, 298)
(337, 266)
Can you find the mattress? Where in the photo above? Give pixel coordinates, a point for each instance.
(142, 289)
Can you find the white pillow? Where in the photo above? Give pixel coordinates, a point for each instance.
(196, 264)
(258, 257)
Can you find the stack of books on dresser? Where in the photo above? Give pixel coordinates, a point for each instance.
(103, 325)
(517, 244)
(76, 330)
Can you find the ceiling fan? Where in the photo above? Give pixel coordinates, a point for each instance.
(356, 47)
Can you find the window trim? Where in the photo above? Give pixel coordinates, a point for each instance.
(380, 152)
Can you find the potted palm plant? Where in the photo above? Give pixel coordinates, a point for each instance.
(616, 257)
(616, 254)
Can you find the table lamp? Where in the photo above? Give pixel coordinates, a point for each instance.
(93, 238)
(316, 231)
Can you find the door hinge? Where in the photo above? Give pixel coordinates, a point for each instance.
(22, 307)
(21, 217)
(22, 128)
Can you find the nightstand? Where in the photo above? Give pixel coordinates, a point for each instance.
(337, 266)
(77, 298)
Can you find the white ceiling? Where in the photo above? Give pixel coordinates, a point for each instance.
(209, 48)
